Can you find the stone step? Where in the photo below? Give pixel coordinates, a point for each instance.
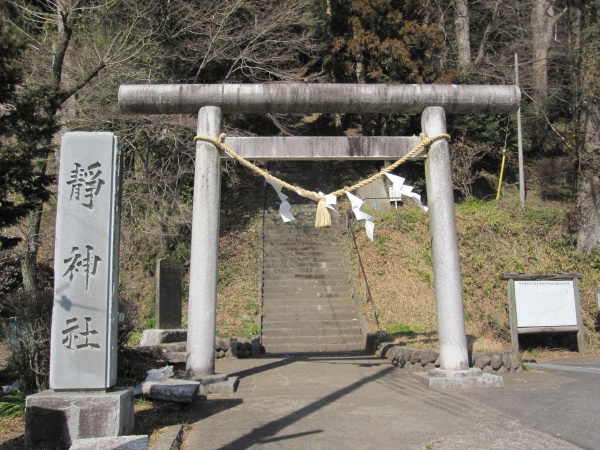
(301, 245)
(269, 290)
(296, 332)
(312, 340)
(307, 309)
(286, 263)
(286, 301)
(304, 270)
(309, 324)
(287, 317)
(308, 349)
(299, 279)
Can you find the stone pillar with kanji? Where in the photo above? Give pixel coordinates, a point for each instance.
(83, 402)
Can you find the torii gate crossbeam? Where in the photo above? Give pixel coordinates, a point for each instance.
(433, 101)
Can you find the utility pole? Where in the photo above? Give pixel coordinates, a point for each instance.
(520, 140)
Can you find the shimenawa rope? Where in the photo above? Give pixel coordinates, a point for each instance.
(322, 218)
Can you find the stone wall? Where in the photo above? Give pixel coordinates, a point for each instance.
(415, 359)
(238, 348)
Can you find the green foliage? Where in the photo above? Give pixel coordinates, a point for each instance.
(13, 405)
(249, 328)
(26, 129)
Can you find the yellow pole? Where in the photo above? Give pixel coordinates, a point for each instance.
(501, 173)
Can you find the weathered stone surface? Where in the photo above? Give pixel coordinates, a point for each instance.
(393, 353)
(255, 352)
(458, 379)
(56, 419)
(415, 357)
(502, 370)
(156, 337)
(170, 439)
(496, 361)
(428, 357)
(222, 345)
(488, 369)
(227, 386)
(220, 354)
(506, 362)
(168, 293)
(175, 357)
(112, 443)
(482, 360)
(175, 390)
(515, 364)
(233, 348)
(84, 318)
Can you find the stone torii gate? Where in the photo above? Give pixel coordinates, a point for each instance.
(432, 101)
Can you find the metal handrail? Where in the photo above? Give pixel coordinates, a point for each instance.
(361, 271)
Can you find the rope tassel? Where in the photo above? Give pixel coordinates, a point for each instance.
(322, 218)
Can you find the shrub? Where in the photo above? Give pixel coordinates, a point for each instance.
(27, 316)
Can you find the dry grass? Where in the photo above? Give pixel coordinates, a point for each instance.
(494, 238)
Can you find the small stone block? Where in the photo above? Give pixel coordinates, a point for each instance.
(227, 386)
(112, 443)
(461, 379)
(233, 349)
(371, 344)
(174, 390)
(155, 337)
(255, 353)
(170, 439)
(56, 419)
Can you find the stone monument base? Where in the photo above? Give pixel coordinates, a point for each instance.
(54, 419)
(217, 383)
(469, 378)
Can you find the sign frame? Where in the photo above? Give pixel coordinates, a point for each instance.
(514, 299)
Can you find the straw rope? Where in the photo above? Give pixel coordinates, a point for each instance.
(323, 219)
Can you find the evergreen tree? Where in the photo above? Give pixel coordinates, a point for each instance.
(25, 129)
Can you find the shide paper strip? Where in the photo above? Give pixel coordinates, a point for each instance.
(369, 220)
(331, 204)
(284, 207)
(403, 189)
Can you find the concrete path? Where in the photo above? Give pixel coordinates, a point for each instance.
(366, 403)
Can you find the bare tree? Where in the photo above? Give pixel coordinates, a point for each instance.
(70, 43)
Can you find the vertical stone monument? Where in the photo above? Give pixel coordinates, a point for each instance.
(168, 294)
(82, 402)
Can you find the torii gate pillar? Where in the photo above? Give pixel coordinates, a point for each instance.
(444, 241)
(204, 258)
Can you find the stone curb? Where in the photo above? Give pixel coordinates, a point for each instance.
(171, 439)
(423, 360)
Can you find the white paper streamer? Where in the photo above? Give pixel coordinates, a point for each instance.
(331, 203)
(369, 220)
(284, 207)
(401, 189)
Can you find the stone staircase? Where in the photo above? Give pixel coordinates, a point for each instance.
(307, 298)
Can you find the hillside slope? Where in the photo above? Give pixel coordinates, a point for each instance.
(494, 238)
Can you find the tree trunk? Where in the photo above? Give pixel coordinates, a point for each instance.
(543, 19)
(32, 242)
(588, 184)
(463, 36)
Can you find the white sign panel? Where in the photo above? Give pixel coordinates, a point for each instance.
(545, 303)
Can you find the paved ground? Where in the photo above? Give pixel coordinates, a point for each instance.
(365, 403)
